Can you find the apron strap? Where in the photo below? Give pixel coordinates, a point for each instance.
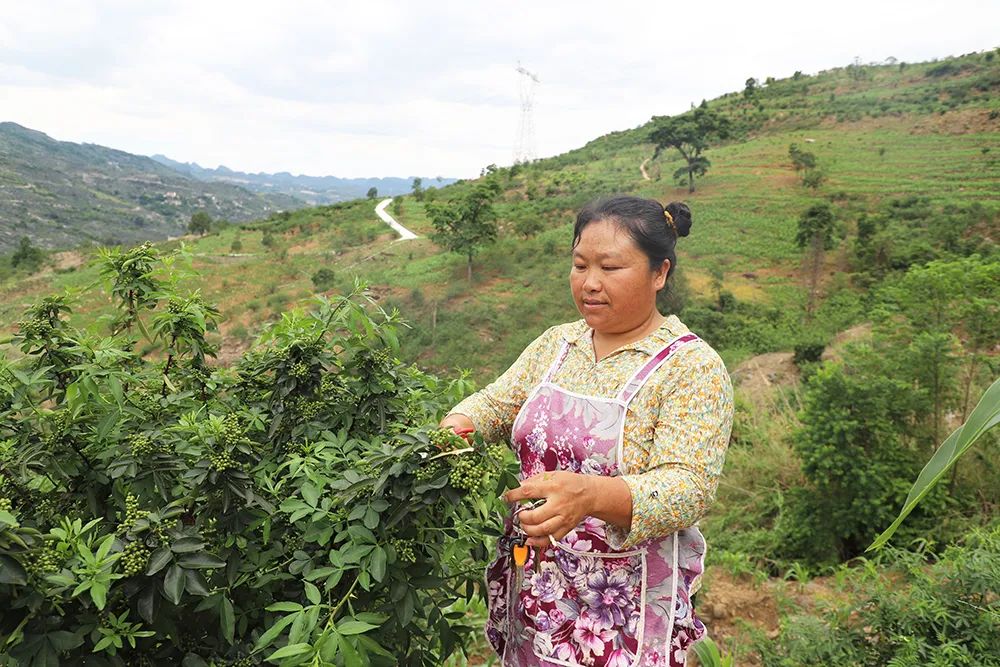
(560, 357)
(634, 384)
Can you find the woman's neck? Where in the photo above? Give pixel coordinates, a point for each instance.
(605, 343)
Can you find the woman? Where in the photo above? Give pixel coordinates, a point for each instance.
(620, 422)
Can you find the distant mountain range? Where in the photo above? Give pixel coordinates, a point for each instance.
(310, 189)
(61, 194)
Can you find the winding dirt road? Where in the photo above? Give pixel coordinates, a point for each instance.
(404, 233)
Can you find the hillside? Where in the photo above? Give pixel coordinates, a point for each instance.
(310, 189)
(884, 134)
(61, 194)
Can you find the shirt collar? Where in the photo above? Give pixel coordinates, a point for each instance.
(578, 333)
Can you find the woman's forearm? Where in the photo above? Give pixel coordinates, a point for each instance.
(610, 500)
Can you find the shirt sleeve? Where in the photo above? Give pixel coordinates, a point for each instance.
(689, 448)
(493, 408)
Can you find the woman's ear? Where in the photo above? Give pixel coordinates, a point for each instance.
(660, 278)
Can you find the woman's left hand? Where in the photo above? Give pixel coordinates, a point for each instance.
(568, 499)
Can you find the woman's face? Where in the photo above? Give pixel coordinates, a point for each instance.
(612, 284)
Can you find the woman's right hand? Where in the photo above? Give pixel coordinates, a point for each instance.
(460, 424)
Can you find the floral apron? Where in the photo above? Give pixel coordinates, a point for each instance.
(580, 601)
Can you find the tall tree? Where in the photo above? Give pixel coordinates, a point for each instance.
(201, 223)
(468, 223)
(815, 234)
(418, 188)
(690, 133)
(372, 192)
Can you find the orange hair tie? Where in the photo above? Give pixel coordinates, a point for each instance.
(670, 221)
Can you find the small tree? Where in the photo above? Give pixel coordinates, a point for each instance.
(815, 233)
(201, 223)
(418, 188)
(27, 256)
(466, 224)
(324, 279)
(372, 192)
(690, 134)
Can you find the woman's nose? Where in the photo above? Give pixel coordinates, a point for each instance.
(592, 282)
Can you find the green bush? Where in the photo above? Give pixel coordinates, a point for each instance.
(943, 614)
(297, 508)
(859, 456)
(324, 279)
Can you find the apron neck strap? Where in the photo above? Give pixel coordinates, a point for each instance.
(635, 383)
(560, 357)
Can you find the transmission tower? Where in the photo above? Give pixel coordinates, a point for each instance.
(524, 147)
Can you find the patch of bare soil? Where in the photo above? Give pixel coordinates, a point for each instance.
(68, 259)
(728, 605)
(854, 334)
(762, 373)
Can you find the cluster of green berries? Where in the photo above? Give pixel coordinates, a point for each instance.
(134, 559)
(428, 471)
(446, 440)
(243, 662)
(6, 505)
(222, 461)
(140, 445)
(175, 307)
(163, 528)
(468, 473)
(300, 370)
(367, 468)
(132, 514)
(404, 550)
(309, 409)
(36, 327)
(232, 432)
(44, 561)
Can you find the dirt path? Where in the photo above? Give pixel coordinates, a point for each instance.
(404, 233)
(642, 168)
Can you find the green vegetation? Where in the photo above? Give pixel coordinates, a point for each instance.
(295, 508)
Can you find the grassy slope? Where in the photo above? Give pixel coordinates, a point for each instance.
(886, 133)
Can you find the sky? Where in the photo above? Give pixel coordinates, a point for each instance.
(393, 88)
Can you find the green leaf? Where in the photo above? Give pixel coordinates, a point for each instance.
(351, 657)
(312, 593)
(985, 416)
(289, 651)
(196, 584)
(187, 545)
(285, 606)
(99, 594)
(11, 572)
(354, 627)
(310, 494)
(104, 643)
(173, 584)
(272, 632)
(158, 560)
(201, 561)
(228, 620)
(377, 563)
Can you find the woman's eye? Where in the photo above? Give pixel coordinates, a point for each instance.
(579, 267)
(610, 268)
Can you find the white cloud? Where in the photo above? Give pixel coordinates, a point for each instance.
(394, 88)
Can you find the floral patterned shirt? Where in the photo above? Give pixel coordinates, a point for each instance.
(676, 430)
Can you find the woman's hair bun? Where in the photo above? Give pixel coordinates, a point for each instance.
(681, 214)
